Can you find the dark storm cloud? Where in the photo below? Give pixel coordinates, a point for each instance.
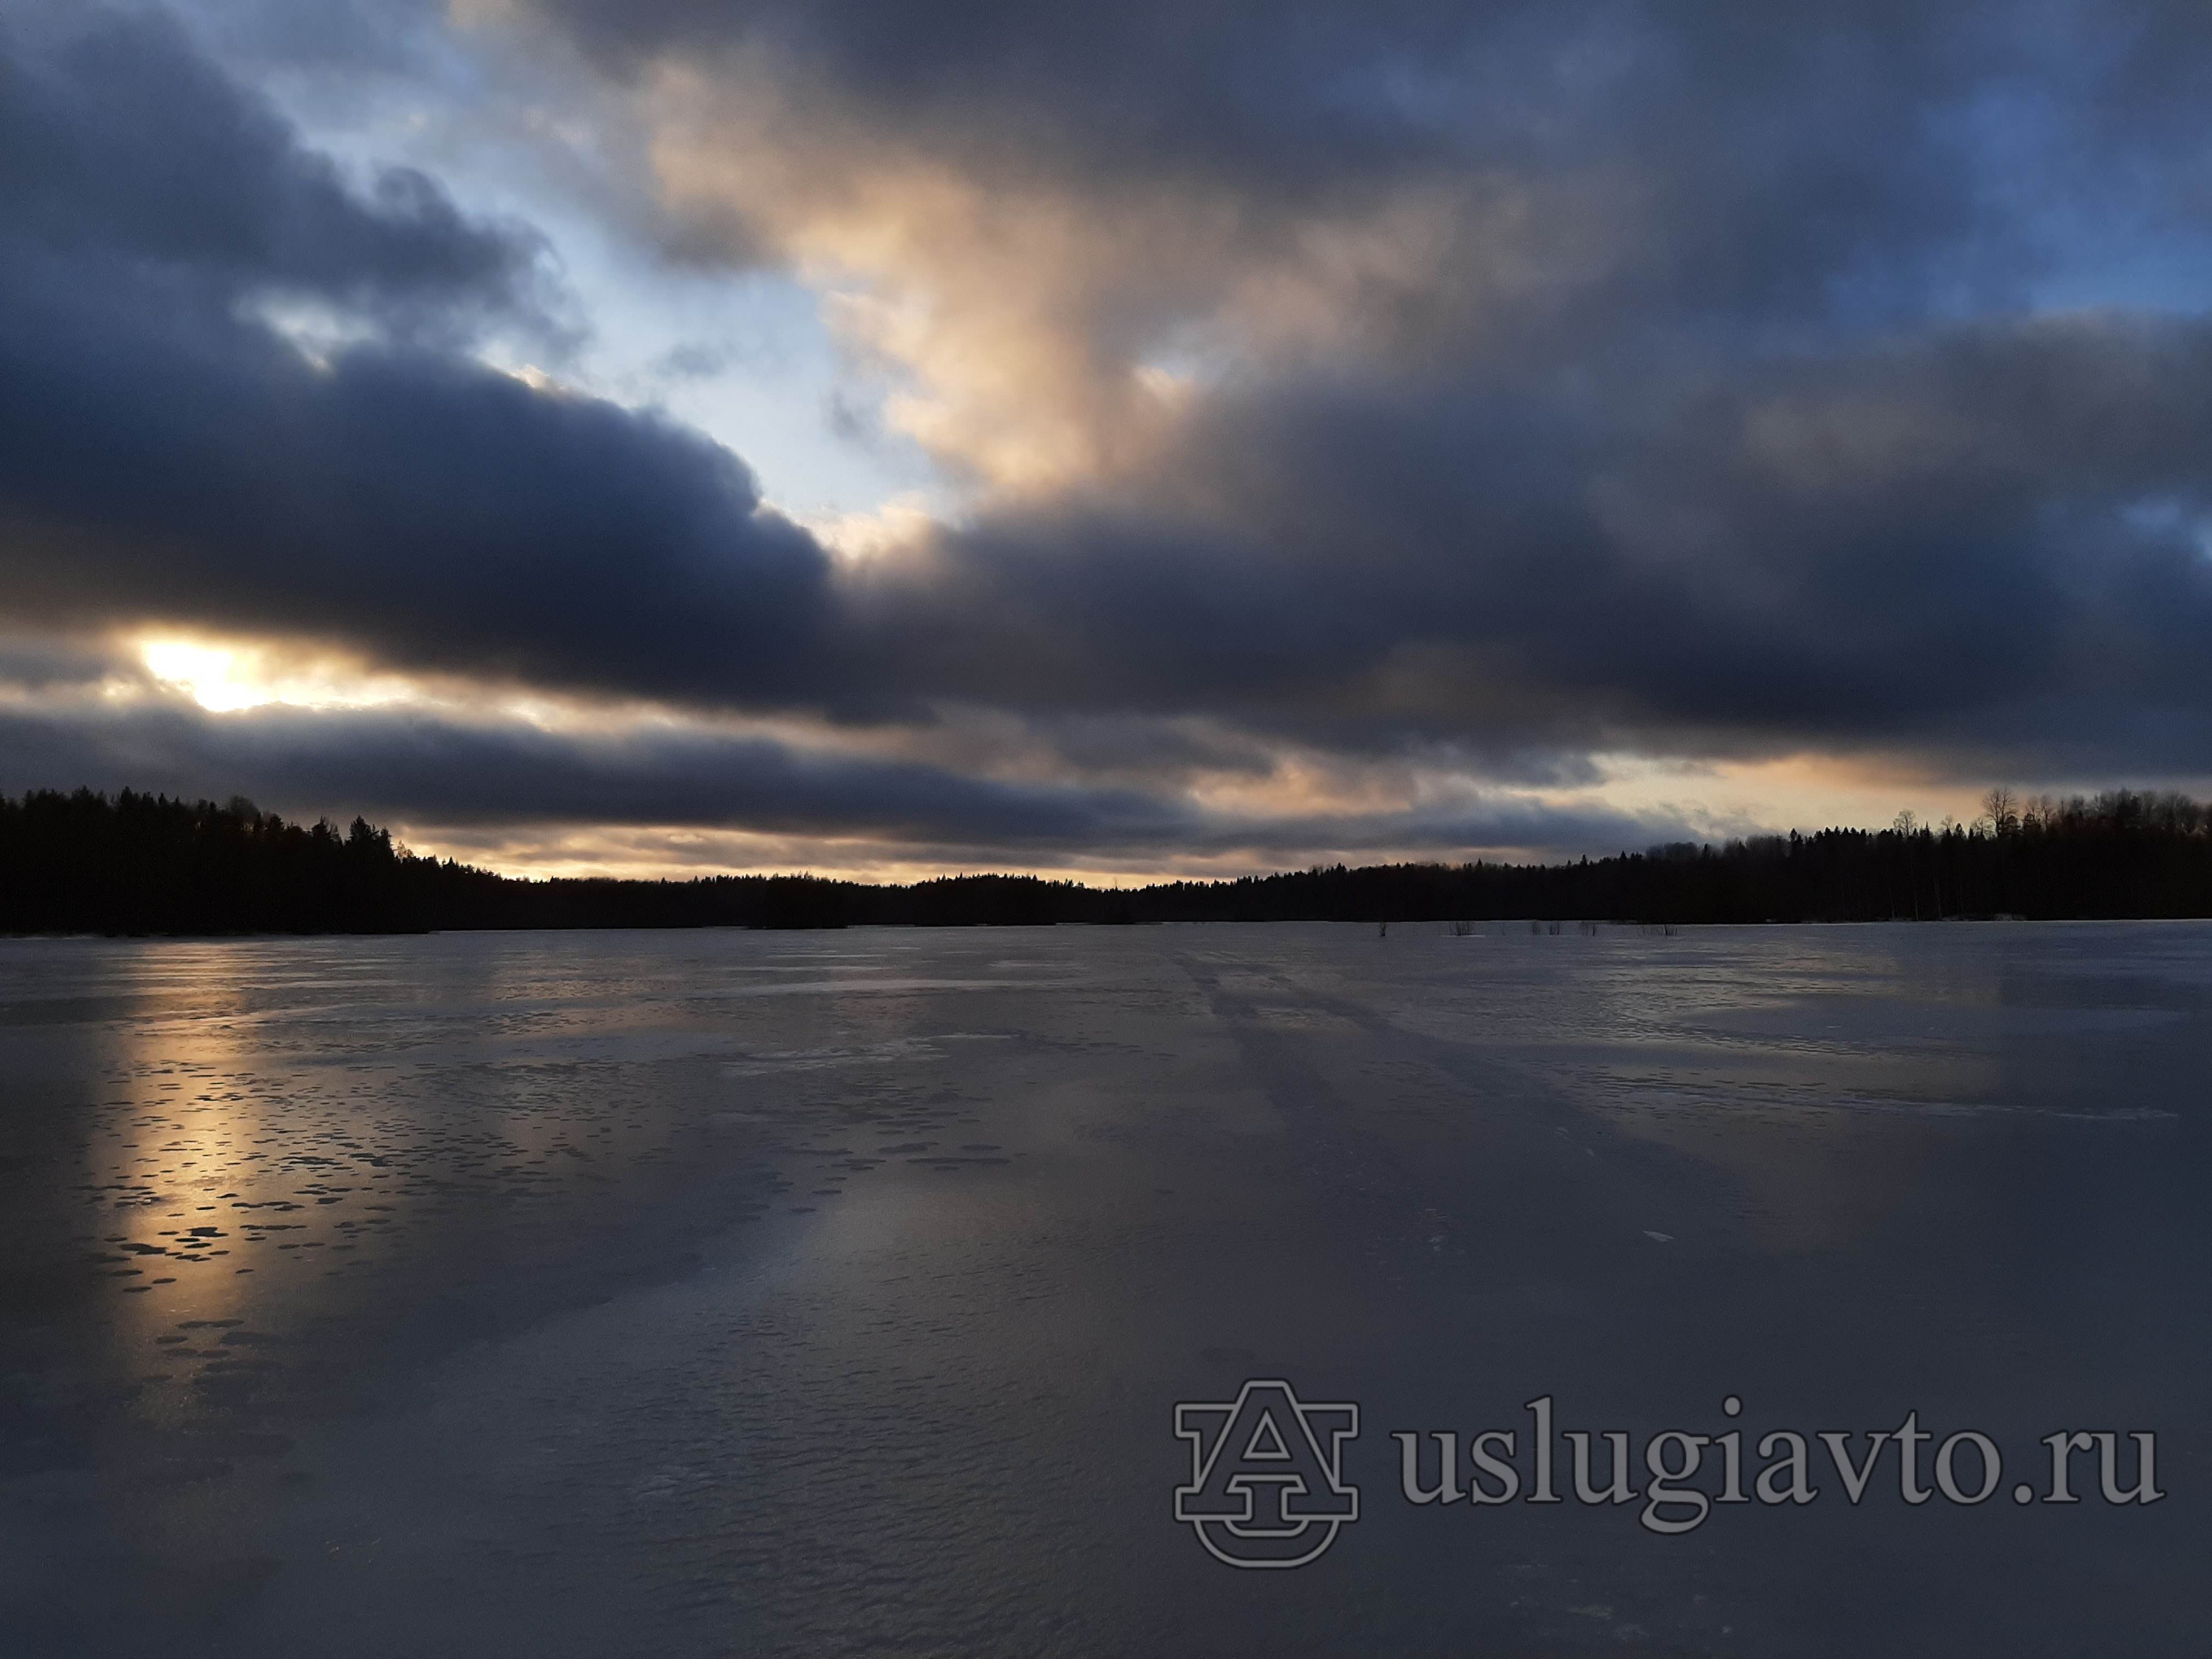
(34, 665)
(1241, 89)
(1858, 549)
(123, 153)
(165, 453)
(507, 772)
(435, 770)
(1866, 158)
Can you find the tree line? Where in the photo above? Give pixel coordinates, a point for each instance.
(136, 863)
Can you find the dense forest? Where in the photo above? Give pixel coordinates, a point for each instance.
(147, 864)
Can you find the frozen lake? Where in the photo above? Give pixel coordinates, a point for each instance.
(724, 1293)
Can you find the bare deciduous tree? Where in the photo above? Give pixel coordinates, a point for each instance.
(2001, 807)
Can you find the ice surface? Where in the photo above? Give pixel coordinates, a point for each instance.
(706, 1292)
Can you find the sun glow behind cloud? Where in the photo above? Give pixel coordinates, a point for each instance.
(225, 679)
(234, 677)
(208, 675)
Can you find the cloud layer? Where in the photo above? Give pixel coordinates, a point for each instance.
(1420, 402)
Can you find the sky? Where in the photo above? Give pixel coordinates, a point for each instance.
(658, 437)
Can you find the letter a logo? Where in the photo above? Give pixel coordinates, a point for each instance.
(1266, 1475)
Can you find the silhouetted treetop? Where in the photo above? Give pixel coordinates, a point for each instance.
(134, 863)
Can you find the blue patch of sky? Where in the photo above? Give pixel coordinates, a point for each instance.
(744, 356)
